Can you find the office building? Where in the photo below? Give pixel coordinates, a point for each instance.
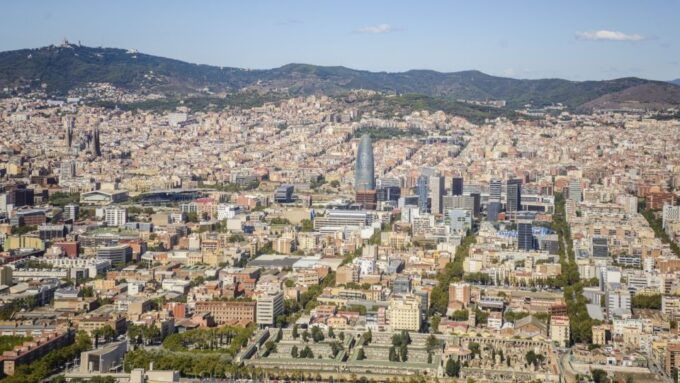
(269, 306)
(476, 204)
(493, 209)
(48, 232)
(389, 193)
(284, 194)
(618, 302)
(67, 170)
(670, 214)
(559, 330)
(368, 199)
(459, 294)
(514, 195)
(600, 247)
(525, 237)
(436, 194)
(401, 285)
(5, 276)
(364, 176)
(575, 193)
(116, 254)
(422, 190)
(460, 220)
(103, 360)
(71, 212)
(115, 216)
(459, 202)
(404, 313)
(342, 218)
(457, 186)
(495, 189)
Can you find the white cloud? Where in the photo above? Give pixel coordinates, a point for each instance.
(381, 28)
(606, 35)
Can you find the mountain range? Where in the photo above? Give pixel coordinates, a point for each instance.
(68, 66)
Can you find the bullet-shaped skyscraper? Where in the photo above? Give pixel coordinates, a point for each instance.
(364, 178)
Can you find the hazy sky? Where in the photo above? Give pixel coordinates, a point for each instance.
(595, 39)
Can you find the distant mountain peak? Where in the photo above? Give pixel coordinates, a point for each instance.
(68, 66)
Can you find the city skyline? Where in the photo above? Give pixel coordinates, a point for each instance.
(162, 221)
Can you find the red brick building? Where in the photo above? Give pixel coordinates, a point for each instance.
(228, 312)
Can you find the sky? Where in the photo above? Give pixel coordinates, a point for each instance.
(575, 39)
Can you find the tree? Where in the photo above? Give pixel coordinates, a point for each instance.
(269, 347)
(306, 225)
(643, 301)
(336, 347)
(453, 368)
(279, 335)
(317, 334)
(599, 376)
(403, 353)
(294, 352)
(307, 353)
(393, 355)
(295, 332)
(331, 334)
(361, 355)
(432, 343)
(434, 324)
(305, 335)
(367, 337)
(460, 315)
(531, 357)
(474, 348)
(192, 217)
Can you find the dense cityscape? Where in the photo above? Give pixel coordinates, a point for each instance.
(441, 192)
(139, 243)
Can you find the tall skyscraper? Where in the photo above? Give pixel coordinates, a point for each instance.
(364, 177)
(457, 186)
(436, 194)
(525, 236)
(422, 191)
(96, 145)
(495, 189)
(493, 209)
(575, 190)
(476, 204)
(514, 195)
(69, 124)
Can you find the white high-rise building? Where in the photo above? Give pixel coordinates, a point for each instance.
(618, 302)
(495, 189)
(460, 219)
(575, 192)
(670, 214)
(629, 203)
(115, 216)
(67, 170)
(436, 194)
(404, 313)
(71, 211)
(226, 211)
(269, 306)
